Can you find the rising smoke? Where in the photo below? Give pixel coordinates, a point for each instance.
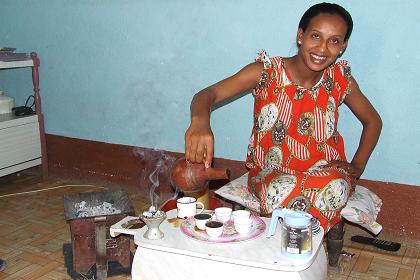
(156, 175)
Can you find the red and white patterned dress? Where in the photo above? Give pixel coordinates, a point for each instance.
(294, 135)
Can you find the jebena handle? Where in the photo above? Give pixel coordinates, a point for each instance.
(201, 206)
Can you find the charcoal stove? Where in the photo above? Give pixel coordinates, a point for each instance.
(90, 216)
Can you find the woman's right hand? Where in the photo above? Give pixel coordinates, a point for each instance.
(199, 144)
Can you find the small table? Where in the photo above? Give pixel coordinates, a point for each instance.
(177, 256)
(22, 139)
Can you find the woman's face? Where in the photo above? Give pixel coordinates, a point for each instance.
(322, 41)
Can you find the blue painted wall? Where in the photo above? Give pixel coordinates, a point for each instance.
(125, 71)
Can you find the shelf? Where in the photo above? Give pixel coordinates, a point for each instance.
(22, 139)
(20, 166)
(9, 120)
(16, 64)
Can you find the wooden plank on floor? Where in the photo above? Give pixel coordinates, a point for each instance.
(405, 274)
(50, 266)
(363, 262)
(410, 257)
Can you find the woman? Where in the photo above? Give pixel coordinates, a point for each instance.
(296, 155)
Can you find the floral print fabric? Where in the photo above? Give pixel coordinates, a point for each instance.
(237, 191)
(294, 135)
(362, 207)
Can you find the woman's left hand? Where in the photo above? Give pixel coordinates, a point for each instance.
(351, 169)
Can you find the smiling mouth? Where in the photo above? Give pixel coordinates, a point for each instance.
(318, 59)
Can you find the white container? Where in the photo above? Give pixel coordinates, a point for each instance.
(6, 103)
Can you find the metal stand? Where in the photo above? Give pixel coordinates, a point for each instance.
(335, 243)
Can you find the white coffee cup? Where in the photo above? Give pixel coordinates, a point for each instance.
(223, 214)
(201, 220)
(187, 207)
(243, 226)
(214, 228)
(241, 215)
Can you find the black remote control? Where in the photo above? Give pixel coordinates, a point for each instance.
(381, 244)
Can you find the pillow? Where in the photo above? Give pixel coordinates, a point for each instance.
(237, 191)
(362, 208)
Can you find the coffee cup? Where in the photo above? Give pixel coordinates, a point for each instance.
(214, 228)
(243, 226)
(201, 220)
(241, 215)
(223, 214)
(187, 207)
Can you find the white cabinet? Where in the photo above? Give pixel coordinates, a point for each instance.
(20, 145)
(22, 139)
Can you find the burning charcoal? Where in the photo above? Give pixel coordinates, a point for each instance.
(147, 214)
(155, 214)
(105, 208)
(82, 214)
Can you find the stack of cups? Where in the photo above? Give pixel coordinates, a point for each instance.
(242, 221)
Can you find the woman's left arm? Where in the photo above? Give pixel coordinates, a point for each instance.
(372, 125)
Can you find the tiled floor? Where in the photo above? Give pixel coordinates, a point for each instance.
(33, 230)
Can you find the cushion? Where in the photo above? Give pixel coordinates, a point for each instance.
(362, 207)
(237, 191)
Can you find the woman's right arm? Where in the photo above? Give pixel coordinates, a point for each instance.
(199, 140)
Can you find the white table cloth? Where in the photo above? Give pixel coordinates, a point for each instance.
(177, 256)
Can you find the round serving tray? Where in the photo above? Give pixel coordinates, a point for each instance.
(229, 233)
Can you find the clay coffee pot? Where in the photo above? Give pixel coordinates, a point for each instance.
(193, 177)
